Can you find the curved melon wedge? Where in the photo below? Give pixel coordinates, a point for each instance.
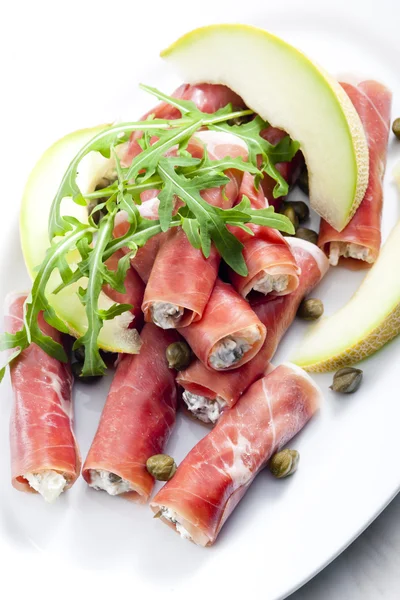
(368, 321)
(292, 93)
(41, 187)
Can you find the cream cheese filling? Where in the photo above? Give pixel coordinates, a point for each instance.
(348, 250)
(171, 516)
(265, 283)
(166, 315)
(49, 484)
(205, 409)
(109, 482)
(231, 349)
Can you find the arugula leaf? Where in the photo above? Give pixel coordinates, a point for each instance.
(102, 142)
(258, 146)
(37, 302)
(179, 176)
(94, 364)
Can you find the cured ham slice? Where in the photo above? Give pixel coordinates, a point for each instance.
(229, 334)
(182, 279)
(44, 454)
(216, 474)
(206, 393)
(136, 421)
(270, 263)
(134, 290)
(361, 239)
(208, 98)
(144, 258)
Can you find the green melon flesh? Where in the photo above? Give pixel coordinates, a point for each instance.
(292, 93)
(369, 320)
(39, 192)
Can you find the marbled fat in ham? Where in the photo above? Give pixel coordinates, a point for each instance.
(216, 474)
(41, 428)
(227, 316)
(361, 238)
(276, 314)
(138, 416)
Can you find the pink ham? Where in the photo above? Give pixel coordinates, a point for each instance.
(208, 98)
(144, 258)
(216, 474)
(136, 421)
(361, 239)
(270, 263)
(182, 279)
(207, 393)
(42, 439)
(229, 334)
(134, 290)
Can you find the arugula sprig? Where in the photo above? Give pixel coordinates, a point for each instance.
(284, 151)
(163, 164)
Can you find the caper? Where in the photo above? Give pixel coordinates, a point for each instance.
(161, 466)
(113, 478)
(76, 368)
(79, 354)
(178, 355)
(300, 208)
(396, 128)
(307, 234)
(284, 463)
(310, 309)
(303, 182)
(109, 357)
(347, 380)
(289, 212)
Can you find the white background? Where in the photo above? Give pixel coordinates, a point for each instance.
(66, 65)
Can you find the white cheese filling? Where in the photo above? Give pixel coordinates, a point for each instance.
(231, 349)
(166, 315)
(266, 283)
(338, 249)
(205, 409)
(109, 482)
(49, 484)
(170, 515)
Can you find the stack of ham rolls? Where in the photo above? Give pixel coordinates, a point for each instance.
(233, 325)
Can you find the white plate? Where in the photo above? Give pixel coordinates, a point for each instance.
(70, 66)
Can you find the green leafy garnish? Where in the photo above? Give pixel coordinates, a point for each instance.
(163, 164)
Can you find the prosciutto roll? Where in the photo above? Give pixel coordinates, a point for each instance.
(207, 394)
(144, 258)
(229, 334)
(216, 474)
(136, 421)
(44, 454)
(272, 269)
(361, 239)
(182, 279)
(208, 98)
(134, 290)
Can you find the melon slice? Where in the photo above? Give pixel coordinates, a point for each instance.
(116, 335)
(369, 320)
(292, 93)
